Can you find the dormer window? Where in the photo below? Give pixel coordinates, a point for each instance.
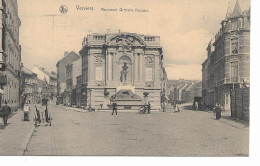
(240, 23)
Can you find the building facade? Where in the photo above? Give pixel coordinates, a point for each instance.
(10, 52)
(43, 90)
(73, 70)
(48, 82)
(228, 64)
(68, 91)
(125, 62)
(76, 80)
(28, 86)
(61, 73)
(184, 90)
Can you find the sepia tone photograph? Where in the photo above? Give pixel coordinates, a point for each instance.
(151, 78)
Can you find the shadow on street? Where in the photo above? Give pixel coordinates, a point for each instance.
(2, 126)
(190, 108)
(227, 117)
(246, 124)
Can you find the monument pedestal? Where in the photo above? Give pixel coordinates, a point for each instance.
(125, 87)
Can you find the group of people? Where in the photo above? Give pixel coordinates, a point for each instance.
(142, 110)
(5, 112)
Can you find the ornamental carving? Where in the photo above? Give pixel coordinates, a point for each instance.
(99, 83)
(125, 41)
(99, 58)
(149, 84)
(232, 58)
(148, 59)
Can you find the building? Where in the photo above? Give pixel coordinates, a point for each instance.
(183, 90)
(50, 82)
(79, 92)
(43, 90)
(121, 67)
(76, 81)
(193, 90)
(228, 64)
(73, 70)
(28, 86)
(61, 72)
(10, 52)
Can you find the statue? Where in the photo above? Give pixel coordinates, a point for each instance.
(123, 77)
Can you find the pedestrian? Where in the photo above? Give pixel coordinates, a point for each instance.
(163, 107)
(196, 106)
(173, 106)
(26, 110)
(114, 107)
(5, 112)
(149, 107)
(177, 109)
(46, 115)
(218, 111)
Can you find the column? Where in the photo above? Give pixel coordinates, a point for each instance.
(109, 67)
(90, 67)
(141, 67)
(135, 68)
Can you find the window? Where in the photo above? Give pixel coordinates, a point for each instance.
(240, 23)
(234, 71)
(234, 25)
(234, 46)
(149, 74)
(99, 73)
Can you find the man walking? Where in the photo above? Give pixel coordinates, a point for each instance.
(218, 111)
(114, 107)
(5, 111)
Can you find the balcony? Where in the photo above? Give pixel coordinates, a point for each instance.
(232, 80)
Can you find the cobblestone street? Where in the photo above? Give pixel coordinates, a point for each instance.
(185, 133)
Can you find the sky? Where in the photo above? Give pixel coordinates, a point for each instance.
(185, 28)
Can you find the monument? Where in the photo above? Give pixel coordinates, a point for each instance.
(124, 64)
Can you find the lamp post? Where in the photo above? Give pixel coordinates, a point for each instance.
(90, 90)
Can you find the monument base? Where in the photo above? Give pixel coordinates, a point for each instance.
(125, 87)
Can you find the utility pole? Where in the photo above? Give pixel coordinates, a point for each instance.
(52, 44)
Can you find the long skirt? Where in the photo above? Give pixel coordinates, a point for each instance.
(218, 114)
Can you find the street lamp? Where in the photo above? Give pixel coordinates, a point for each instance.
(90, 90)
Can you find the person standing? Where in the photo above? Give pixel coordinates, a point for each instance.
(173, 107)
(196, 106)
(6, 110)
(177, 109)
(149, 107)
(218, 111)
(26, 111)
(114, 107)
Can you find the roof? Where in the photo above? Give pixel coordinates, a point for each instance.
(27, 71)
(237, 10)
(68, 54)
(50, 74)
(229, 12)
